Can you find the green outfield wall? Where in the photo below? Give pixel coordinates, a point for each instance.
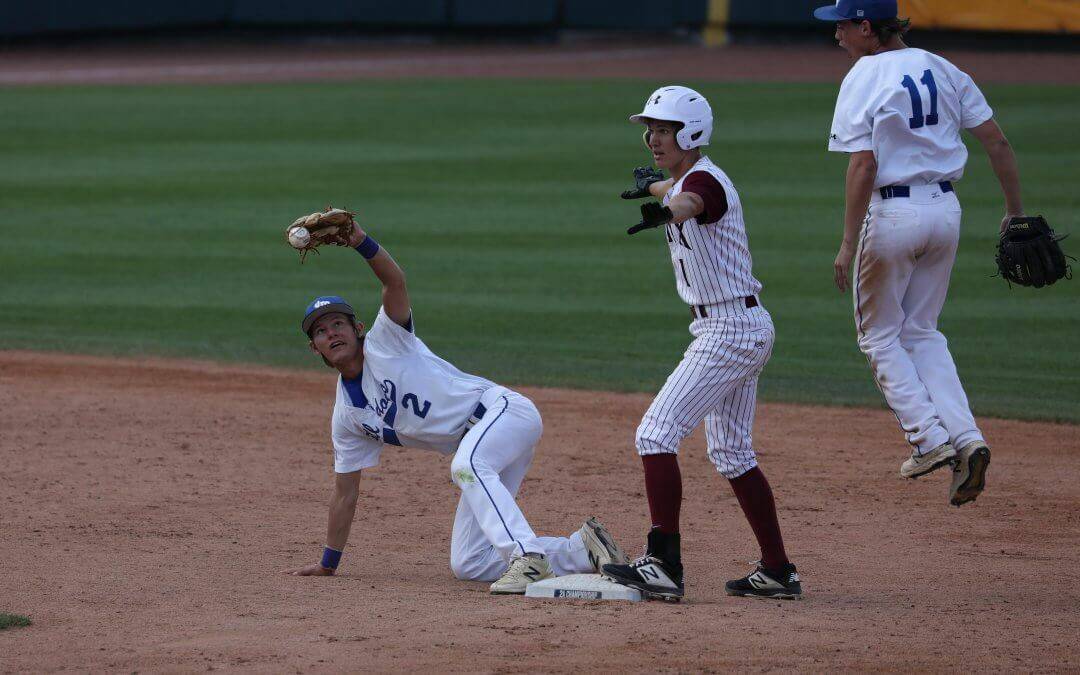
(43, 17)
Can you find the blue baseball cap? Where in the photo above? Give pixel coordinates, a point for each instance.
(323, 305)
(857, 9)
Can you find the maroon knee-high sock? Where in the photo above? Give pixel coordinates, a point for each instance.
(756, 499)
(663, 487)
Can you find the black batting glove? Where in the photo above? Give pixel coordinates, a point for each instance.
(652, 215)
(644, 176)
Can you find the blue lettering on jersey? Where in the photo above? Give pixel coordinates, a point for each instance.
(386, 407)
(412, 398)
(371, 431)
(917, 119)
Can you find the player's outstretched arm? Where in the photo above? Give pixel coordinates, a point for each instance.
(648, 181)
(342, 510)
(1003, 161)
(661, 188)
(395, 295)
(685, 205)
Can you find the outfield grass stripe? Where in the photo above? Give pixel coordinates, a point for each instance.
(158, 214)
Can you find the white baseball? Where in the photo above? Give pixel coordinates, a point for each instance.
(300, 237)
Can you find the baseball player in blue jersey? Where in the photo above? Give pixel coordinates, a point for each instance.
(392, 390)
(716, 382)
(899, 115)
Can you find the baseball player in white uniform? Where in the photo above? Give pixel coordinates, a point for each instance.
(393, 390)
(899, 116)
(716, 382)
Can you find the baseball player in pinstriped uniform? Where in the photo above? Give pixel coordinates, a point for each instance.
(716, 382)
(394, 391)
(899, 115)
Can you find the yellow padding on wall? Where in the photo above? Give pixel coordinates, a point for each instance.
(1049, 16)
(715, 32)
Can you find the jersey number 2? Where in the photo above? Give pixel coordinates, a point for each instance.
(917, 120)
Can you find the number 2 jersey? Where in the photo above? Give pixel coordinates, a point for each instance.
(908, 106)
(406, 395)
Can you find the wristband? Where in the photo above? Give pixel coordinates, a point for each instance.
(330, 558)
(368, 248)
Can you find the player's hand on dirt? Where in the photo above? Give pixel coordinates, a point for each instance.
(842, 265)
(652, 215)
(644, 176)
(312, 570)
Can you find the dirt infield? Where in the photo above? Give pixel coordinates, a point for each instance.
(149, 507)
(208, 63)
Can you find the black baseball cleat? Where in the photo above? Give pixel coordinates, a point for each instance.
(654, 577)
(658, 573)
(782, 584)
(969, 473)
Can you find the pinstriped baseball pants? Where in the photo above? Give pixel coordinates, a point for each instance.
(715, 382)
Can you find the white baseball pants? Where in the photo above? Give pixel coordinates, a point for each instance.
(489, 465)
(902, 269)
(716, 382)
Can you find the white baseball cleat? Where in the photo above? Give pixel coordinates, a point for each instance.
(601, 545)
(523, 571)
(920, 465)
(969, 473)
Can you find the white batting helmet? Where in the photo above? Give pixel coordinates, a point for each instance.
(680, 104)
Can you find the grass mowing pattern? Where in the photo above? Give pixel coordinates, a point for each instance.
(149, 220)
(13, 620)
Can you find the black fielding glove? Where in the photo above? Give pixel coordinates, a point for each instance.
(652, 215)
(1028, 253)
(644, 176)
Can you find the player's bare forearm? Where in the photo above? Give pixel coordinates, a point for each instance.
(661, 188)
(685, 206)
(342, 509)
(1003, 162)
(395, 295)
(387, 270)
(339, 522)
(858, 187)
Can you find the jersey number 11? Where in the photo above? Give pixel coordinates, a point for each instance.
(917, 120)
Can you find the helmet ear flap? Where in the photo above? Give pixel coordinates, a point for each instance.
(645, 137)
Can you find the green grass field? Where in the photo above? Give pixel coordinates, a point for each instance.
(148, 220)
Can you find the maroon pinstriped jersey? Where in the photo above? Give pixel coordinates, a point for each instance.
(710, 253)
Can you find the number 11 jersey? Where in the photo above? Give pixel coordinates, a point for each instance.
(908, 106)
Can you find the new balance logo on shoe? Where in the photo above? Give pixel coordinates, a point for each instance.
(649, 573)
(781, 584)
(759, 580)
(521, 572)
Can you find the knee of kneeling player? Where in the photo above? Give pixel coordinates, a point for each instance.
(463, 473)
